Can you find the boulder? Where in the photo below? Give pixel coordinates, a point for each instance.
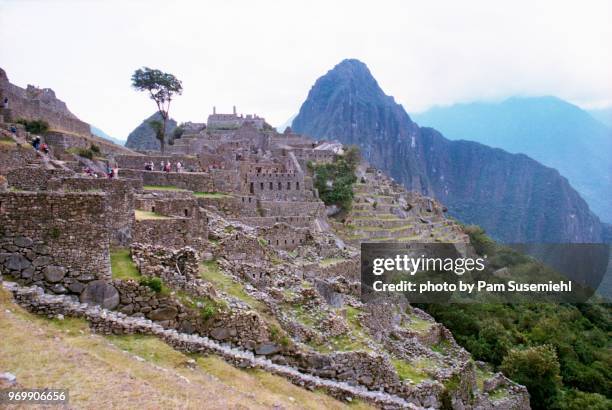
(42, 261)
(266, 348)
(220, 333)
(23, 242)
(164, 313)
(76, 287)
(54, 274)
(100, 293)
(27, 273)
(17, 262)
(58, 288)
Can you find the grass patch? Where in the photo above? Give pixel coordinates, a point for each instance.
(122, 266)
(418, 325)
(407, 371)
(147, 215)
(210, 271)
(330, 261)
(7, 142)
(207, 307)
(442, 347)
(211, 195)
(260, 381)
(109, 371)
(162, 188)
(498, 394)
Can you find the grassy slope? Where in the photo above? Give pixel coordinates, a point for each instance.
(133, 371)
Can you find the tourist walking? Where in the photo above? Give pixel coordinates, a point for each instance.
(5, 103)
(162, 165)
(36, 142)
(179, 166)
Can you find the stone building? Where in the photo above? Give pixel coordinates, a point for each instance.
(233, 120)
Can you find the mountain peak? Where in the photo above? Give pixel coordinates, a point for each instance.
(478, 183)
(352, 71)
(351, 65)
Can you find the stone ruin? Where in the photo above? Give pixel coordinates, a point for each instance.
(249, 266)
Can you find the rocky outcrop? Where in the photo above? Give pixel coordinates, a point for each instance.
(143, 137)
(33, 103)
(512, 196)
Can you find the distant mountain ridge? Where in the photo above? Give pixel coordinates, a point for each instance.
(99, 133)
(603, 115)
(515, 198)
(552, 131)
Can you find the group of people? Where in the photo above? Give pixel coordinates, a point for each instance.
(36, 143)
(164, 166)
(110, 172)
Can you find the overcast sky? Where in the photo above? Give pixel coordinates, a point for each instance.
(263, 56)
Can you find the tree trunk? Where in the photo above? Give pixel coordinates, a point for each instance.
(163, 134)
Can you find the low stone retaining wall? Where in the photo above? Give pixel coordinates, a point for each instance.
(193, 181)
(34, 179)
(106, 322)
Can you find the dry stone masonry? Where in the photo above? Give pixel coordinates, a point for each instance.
(236, 256)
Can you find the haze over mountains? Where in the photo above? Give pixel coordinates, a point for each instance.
(552, 131)
(512, 196)
(100, 133)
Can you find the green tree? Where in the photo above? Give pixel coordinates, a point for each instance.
(538, 369)
(334, 181)
(161, 88)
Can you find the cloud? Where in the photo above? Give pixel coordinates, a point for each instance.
(264, 56)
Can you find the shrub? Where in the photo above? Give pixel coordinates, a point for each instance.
(34, 126)
(480, 241)
(335, 180)
(94, 149)
(538, 369)
(208, 311)
(152, 283)
(85, 153)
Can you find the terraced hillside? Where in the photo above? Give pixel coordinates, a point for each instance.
(383, 211)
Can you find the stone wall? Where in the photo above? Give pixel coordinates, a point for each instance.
(105, 322)
(34, 179)
(13, 156)
(59, 241)
(193, 181)
(284, 236)
(181, 207)
(225, 180)
(59, 142)
(120, 199)
(172, 232)
(274, 186)
(189, 163)
(291, 208)
(348, 269)
(296, 221)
